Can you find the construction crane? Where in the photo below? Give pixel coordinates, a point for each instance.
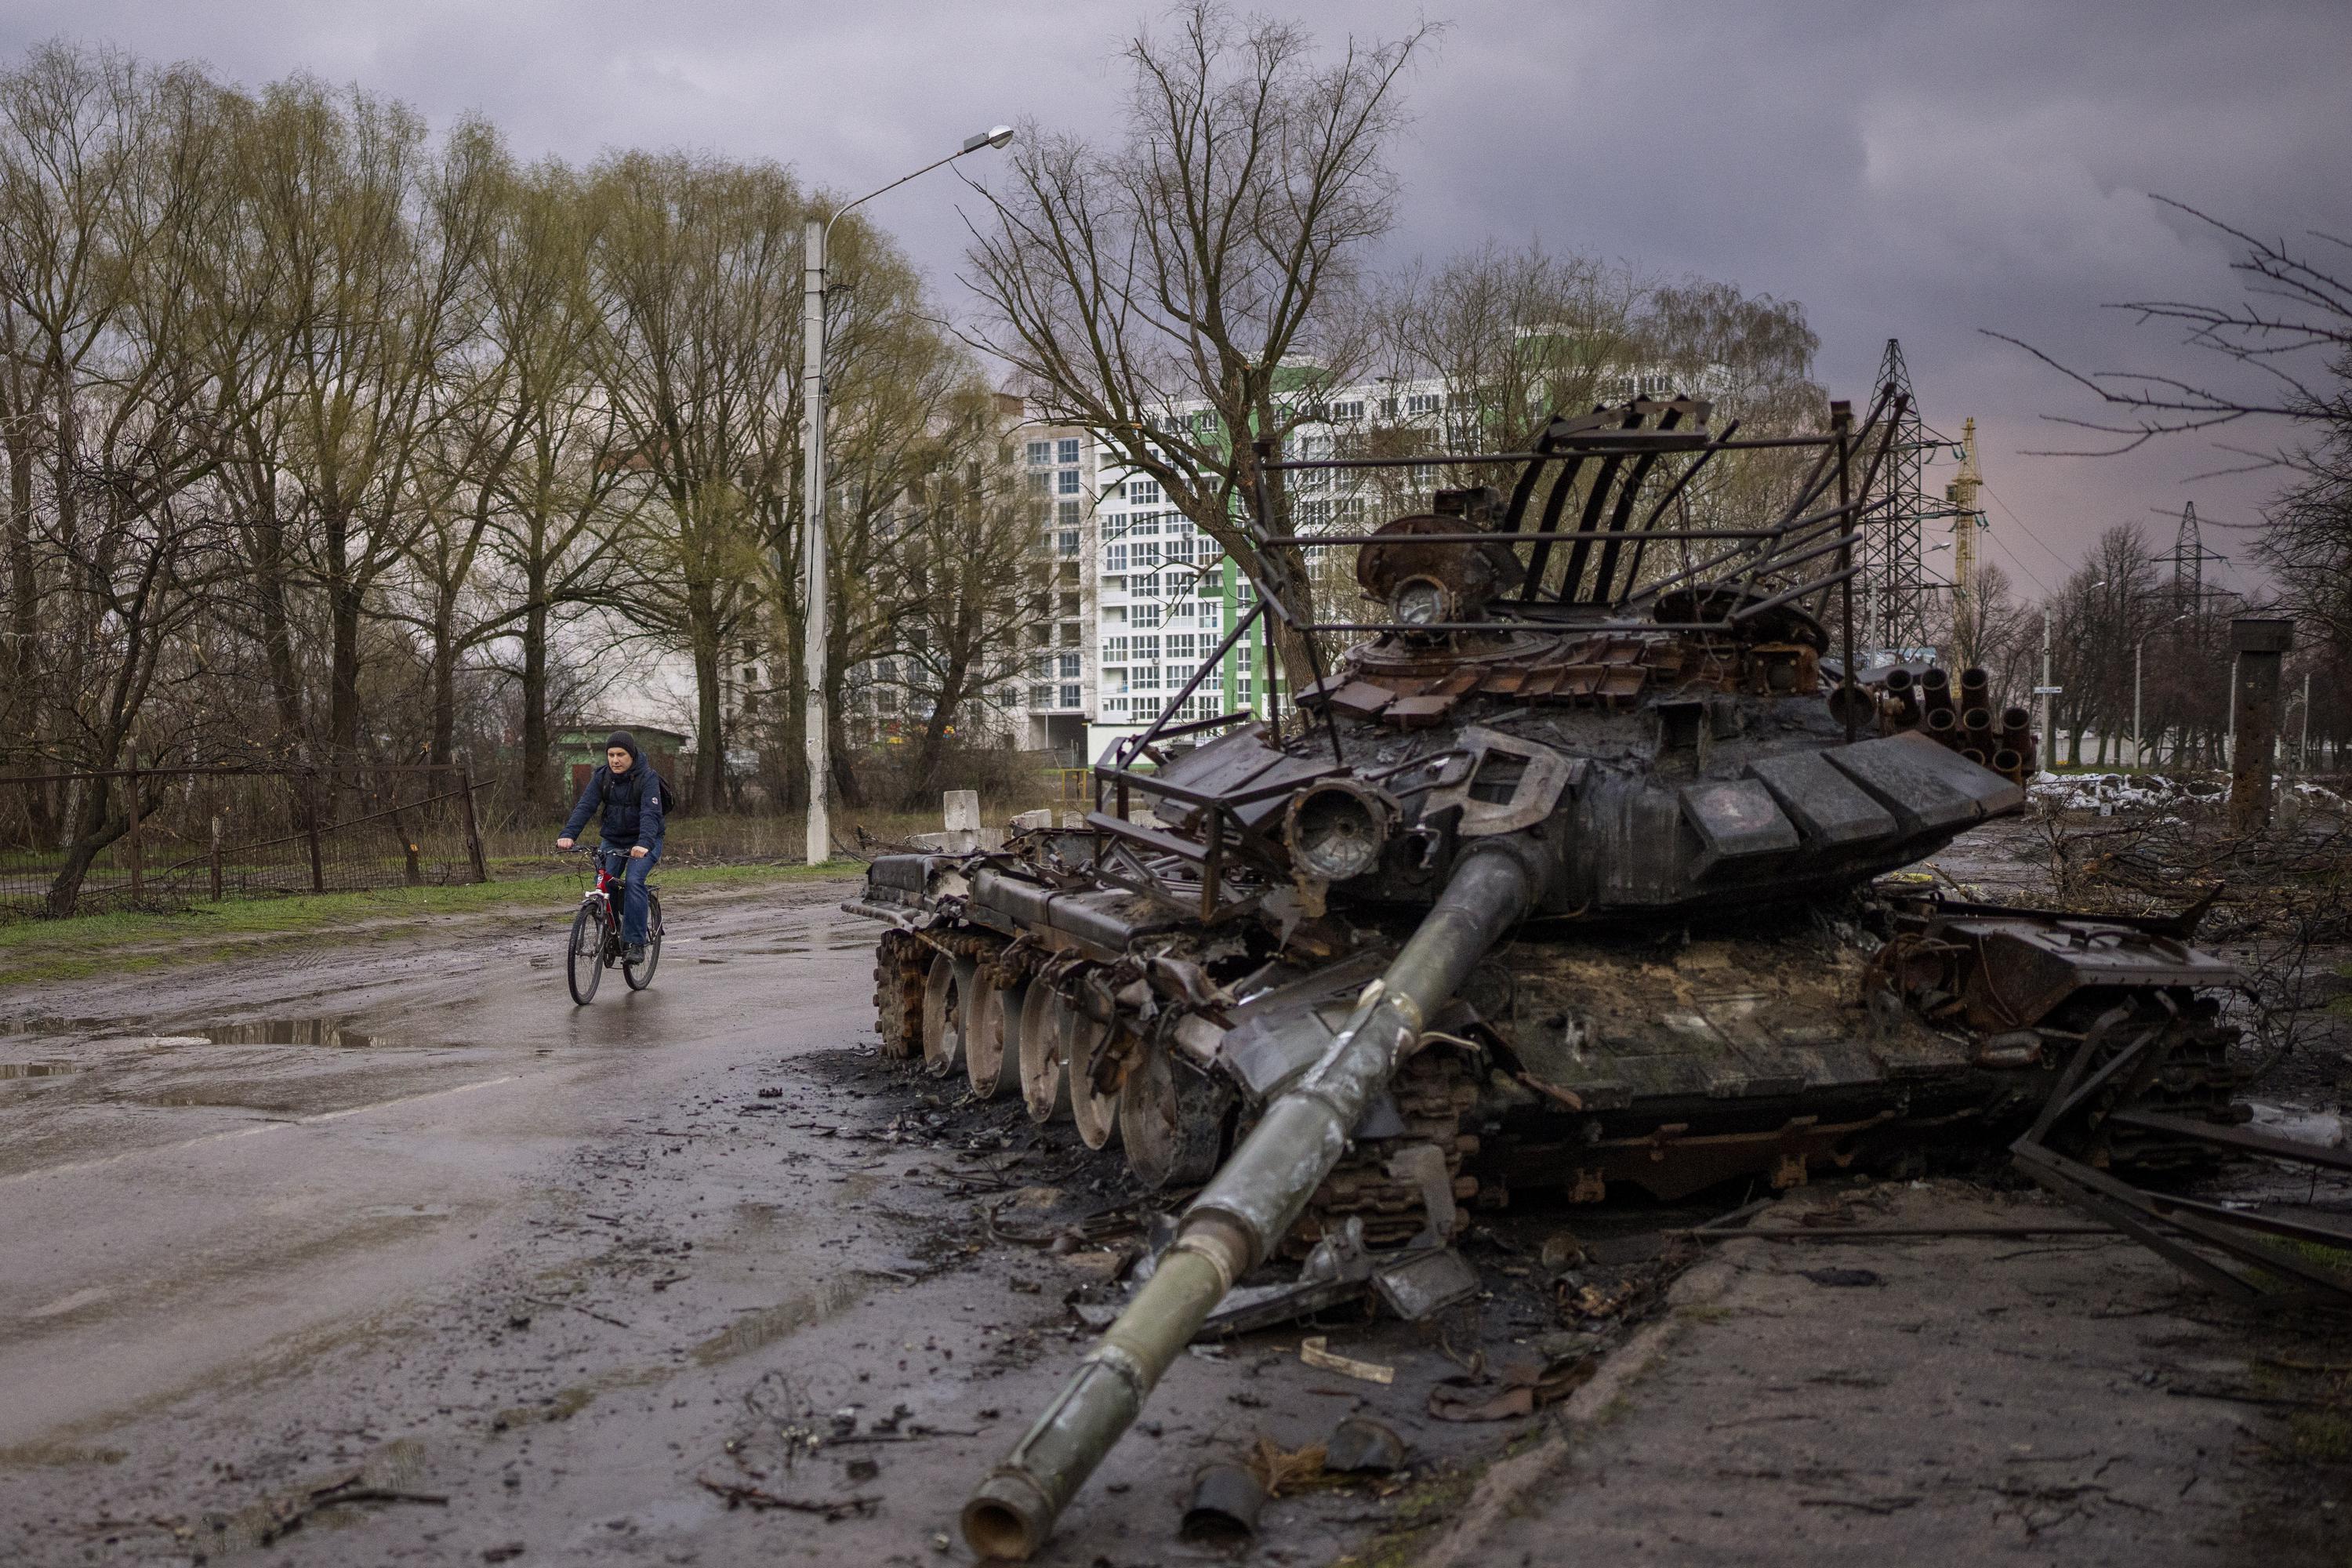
(1960, 501)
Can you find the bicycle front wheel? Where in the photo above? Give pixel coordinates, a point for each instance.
(584, 962)
(640, 975)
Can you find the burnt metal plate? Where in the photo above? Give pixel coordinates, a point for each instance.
(1930, 788)
(1424, 1284)
(1738, 822)
(1827, 806)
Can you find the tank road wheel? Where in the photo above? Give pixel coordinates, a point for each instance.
(1083, 1040)
(1171, 1122)
(991, 1041)
(947, 1012)
(901, 962)
(1044, 1087)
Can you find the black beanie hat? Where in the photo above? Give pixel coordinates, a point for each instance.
(627, 743)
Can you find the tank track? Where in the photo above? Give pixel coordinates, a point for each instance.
(901, 959)
(1436, 1090)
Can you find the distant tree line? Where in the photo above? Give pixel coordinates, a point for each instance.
(329, 438)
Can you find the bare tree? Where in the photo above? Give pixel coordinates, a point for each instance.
(2291, 338)
(697, 274)
(1212, 259)
(560, 494)
(1988, 626)
(954, 587)
(1510, 337)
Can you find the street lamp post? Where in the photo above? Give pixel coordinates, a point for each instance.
(815, 586)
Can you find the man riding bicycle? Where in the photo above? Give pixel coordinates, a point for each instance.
(629, 794)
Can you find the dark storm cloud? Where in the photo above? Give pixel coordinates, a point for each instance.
(1920, 171)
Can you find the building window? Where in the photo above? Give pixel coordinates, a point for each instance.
(1179, 548)
(1069, 667)
(1421, 403)
(1144, 525)
(1146, 614)
(1069, 697)
(1182, 647)
(1066, 513)
(1348, 510)
(1041, 453)
(1147, 649)
(1115, 556)
(1067, 542)
(1066, 483)
(1143, 676)
(1310, 515)
(1040, 482)
(1143, 492)
(1347, 411)
(1041, 697)
(1114, 650)
(1068, 451)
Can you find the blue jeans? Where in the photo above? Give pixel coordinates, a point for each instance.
(632, 890)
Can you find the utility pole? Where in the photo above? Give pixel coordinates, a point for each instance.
(815, 594)
(2302, 747)
(2046, 691)
(816, 587)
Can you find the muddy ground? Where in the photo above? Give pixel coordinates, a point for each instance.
(389, 1254)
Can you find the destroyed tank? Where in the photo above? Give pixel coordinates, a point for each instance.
(1561, 878)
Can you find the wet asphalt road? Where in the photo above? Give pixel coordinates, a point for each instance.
(401, 1220)
(219, 1172)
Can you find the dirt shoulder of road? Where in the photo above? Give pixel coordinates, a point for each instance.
(33, 952)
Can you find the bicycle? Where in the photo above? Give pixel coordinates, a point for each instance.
(596, 942)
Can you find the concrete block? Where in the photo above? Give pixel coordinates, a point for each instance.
(962, 809)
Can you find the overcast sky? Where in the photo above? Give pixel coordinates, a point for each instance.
(1913, 171)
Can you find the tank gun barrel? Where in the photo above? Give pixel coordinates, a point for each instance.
(1246, 1209)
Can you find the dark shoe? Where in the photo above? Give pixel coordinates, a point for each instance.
(635, 953)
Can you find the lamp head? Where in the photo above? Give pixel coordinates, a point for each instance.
(995, 136)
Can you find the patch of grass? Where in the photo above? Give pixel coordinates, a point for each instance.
(1418, 1513)
(2321, 1436)
(32, 951)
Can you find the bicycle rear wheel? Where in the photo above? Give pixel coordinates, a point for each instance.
(583, 963)
(640, 975)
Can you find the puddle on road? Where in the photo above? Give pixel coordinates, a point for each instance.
(765, 1325)
(336, 1033)
(332, 1032)
(36, 1069)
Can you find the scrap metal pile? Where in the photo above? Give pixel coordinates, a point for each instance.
(1560, 880)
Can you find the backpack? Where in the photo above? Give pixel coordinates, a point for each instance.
(668, 795)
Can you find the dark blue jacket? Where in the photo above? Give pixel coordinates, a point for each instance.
(632, 805)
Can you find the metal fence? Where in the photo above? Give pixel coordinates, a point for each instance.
(168, 837)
